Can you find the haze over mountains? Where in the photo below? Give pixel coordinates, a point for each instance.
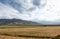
(41, 11)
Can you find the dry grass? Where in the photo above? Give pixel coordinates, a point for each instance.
(29, 33)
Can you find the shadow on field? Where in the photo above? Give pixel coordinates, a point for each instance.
(38, 37)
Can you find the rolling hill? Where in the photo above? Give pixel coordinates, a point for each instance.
(16, 22)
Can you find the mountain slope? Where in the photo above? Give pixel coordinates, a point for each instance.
(17, 22)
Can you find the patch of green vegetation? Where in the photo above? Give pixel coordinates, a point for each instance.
(56, 37)
(18, 26)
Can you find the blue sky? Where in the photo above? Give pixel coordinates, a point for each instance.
(41, 11)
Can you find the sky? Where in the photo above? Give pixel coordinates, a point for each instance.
(41, 11)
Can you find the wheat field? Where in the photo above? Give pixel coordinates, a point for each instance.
(32, 32)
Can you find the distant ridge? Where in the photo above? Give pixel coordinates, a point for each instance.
(16, 22)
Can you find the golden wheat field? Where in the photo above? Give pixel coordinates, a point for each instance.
(25, 32)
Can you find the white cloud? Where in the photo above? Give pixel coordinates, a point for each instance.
(49, 10)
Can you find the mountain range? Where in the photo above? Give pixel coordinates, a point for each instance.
(16, 22)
